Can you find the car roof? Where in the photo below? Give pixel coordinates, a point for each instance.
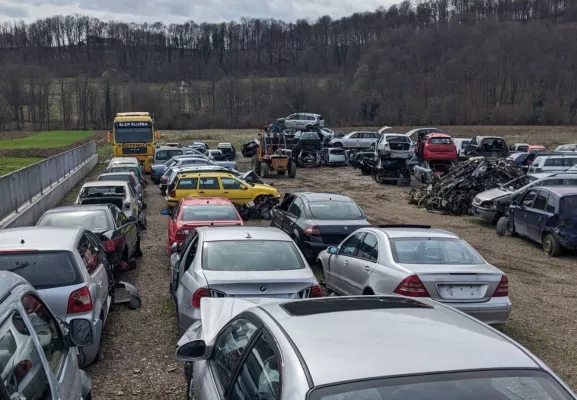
(105, 183)
(236, 232)
(86, 207)
(224, 144)
(564, 190)
(9, 280)
(395, 340)
(322, 196)
(168, 148)
(117, 173)
(438, 134)
(394, 134)
(195, 201)
(557, 155)
(39, 238)
(490, 137)
(414, 232)
(215, 174)
(124, 160)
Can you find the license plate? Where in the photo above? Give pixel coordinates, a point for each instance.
(461, 292)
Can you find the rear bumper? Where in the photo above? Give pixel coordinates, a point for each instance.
(187, 317)
(312, 249)
(494, 312)
(484, 213)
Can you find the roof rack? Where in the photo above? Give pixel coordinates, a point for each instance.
(133, 114)
(404, 226)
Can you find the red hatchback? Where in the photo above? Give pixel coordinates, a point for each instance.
(193, 212)
(439, 146)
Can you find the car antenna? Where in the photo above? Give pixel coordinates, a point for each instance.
(22, 241)
(247, 236)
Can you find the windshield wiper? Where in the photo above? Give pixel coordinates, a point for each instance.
(21, 265)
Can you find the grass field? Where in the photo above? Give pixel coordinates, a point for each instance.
(11, 164)
(46, 140)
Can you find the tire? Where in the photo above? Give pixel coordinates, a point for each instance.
(292, 169)
(138, 250)
(338, 144)
(502, 226)
(264, 169)
(256, 165)
(189, 389)
(551, 245)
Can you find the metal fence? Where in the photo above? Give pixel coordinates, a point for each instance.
(21, 186)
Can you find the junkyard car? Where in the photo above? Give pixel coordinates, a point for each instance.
(546, 215)
(118, 193)
(69, 269)
(186, 159)
(356, 348)
(170, 174)
(487, 146)
(492, 204)
(357, 140)
(217, 184)
(126, 176)
(125, 160)
(128, 167)
(413, 134)
(165, 153)
(550, 163)
(38, 357)
(119, 234)
(395, 145)
(461, 143)
(228, 150)
(566, 148)
(317, 220)
(418, 261)
(302, 121)
(333, 156)
(237, 261)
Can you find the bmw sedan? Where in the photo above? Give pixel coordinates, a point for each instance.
(417, 261)
(356, 348)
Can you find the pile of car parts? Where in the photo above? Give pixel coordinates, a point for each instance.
(453, 192)
(258, 209)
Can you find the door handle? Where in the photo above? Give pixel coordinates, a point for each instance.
(346, 262)
(200, 192)
(525, 215)
(225, 192)
(366, 268)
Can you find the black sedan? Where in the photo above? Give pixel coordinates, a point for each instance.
(118, 233)
(316, 221)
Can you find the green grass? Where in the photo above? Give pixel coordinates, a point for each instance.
(46, 140)
(11, 164)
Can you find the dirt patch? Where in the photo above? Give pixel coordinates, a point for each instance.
(16, 134)
(99, 137)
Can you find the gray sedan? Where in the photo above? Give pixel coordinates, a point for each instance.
(356, 348)
(418, 261)
(237, 261)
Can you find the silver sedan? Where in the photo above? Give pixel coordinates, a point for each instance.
(356, 348)
(418, 261)
(237, 261)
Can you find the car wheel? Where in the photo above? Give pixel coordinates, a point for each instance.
(551, 245)
(503, 228)
(138, 250)
(264, 170)
(292, 169)
(256, 165)
(100, 353)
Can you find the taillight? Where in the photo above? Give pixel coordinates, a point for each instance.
(312, 230)
(79, 301)
(199, 294)
(180, 235)
(412, 286)
(172, 193)
(316, 291)
(22, 370)
(503, 288)
(109, 245)
(235, 165)
(164, 179)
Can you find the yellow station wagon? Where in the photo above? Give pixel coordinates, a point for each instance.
(219, 184)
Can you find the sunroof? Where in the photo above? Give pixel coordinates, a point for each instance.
(335, 304)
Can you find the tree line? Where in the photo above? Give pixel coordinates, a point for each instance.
(437, 62)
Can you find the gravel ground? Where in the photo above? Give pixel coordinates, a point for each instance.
(140, 345)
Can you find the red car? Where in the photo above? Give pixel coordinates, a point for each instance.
(439, 146)
(192, 212)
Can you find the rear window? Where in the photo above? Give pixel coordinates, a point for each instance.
(44, 269)
(167, 154)
(310, 136)
(251, 255)
(336, 210)
(440, 141)
(121, 177)
(338, 151)
(94, 220)
(187, 183)
(209, 212)
(433, 251)
(93, 191)
(523, 148)
(398, 139)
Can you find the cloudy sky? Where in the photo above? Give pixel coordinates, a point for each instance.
(181, 10)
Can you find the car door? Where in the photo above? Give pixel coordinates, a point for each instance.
(352, 142)
(214, 376)
(361, 266)
(209, 186)
(172, 225)
(129, 230)
(537, 216)
(520, 214)
(279, 211)
(290, 121)
(187, 284)
(235, 190)
(340, 264)
(175, 262)
(291, 217)
(99, 275)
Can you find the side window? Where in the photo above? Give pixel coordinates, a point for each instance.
(286, 203)
(354, 135)
(229, 347)
(552, 182)
(192, 252)
(209, 184)
(527, 200)
(351, 245)
(175, 212)
(185, 244)
(569, 161)
(47, 330)
(551, 204)
(570, 182)
(162, 155)
(541, 201)
(259, 376)
(20, 364)
(122, 219)
(369, 248)
(296, 208)
(88, 254)
(187, 183)
(96, 246)
(229, 183)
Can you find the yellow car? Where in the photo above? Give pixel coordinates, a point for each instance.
(217, 184)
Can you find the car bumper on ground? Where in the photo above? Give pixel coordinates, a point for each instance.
(490, 215)
(493, 312)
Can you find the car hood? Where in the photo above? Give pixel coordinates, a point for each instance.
(265, 188)
(492, 194)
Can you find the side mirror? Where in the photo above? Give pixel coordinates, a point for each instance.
(244, 188)
(165, 211)
(144, 206)
(191, 351)
(127, 206)
(332, 250)
(174, 248)
(132, 218)
(81, 332)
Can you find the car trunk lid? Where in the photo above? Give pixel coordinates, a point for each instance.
(333, 232)
(285, 284)
(399, 143)
(190, 225)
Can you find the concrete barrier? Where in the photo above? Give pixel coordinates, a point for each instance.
(28, 214)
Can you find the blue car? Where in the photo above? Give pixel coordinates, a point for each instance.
(159, 169)
(546, 215)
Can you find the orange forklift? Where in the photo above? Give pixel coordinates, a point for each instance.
(272, 155)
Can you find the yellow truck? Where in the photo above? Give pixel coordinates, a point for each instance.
(133, 135)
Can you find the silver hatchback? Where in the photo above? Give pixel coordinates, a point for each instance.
(237, 261)
(418, 261)
(69, 269)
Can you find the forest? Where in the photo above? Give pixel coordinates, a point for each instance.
(439, 62)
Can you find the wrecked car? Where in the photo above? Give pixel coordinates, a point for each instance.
(391, 170)
(487, 146)
(249, 148)
(395, 145)
(227, 150)
(546, 215)
(438, 153)
(333, 156)
(492, 204)
(307, 149)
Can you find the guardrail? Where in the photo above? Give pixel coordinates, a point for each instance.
(21, 186)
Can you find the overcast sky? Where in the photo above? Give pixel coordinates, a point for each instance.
(169, 11)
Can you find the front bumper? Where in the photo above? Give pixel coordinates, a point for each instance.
(493, 312)
(487, 214)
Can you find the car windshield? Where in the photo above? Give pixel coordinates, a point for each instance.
(310, 136)
(473, 385)
(568, 207)
(133, 132)
(42, 269)
(251, 255)
(336, 210)
(336, 151)
(125, 169)
(399, 139)
(433, 250)
(210, 212)
(167, 154)
(94, 220)
(518, 183)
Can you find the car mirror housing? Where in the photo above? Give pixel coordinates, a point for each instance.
(174, 248)
(81, 332)
(132, 218)
(192, 351)
(332, 250)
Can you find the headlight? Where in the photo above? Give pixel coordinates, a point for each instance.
(489, 204)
